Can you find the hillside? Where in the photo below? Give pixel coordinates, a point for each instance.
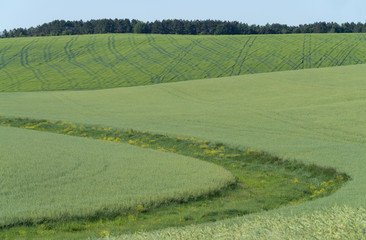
(314, 115)
(120, 60)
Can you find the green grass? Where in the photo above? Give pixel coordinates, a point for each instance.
(263, 182)
(328, 224)
(48, 177)
(118, 60)
(313, 115)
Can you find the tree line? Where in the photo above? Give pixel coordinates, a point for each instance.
(176, 26)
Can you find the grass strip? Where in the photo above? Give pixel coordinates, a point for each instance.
(263, 182)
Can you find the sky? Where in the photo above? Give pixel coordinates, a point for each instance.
(28, 13)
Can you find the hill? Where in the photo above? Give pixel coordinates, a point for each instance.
(311, 115)
(119, 60)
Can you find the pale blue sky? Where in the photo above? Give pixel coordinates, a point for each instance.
(27, 13)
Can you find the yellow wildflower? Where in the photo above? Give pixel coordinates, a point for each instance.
(132, 141)
(140, 208)
(104, 233)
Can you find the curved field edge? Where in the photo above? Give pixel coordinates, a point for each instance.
(49, 177)
(253, 170)
(331, 223)
(121, 60)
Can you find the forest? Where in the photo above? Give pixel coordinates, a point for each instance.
(177, 26)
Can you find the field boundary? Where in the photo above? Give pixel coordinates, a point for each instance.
(239, 162)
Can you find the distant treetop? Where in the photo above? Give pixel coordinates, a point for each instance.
(177, 26)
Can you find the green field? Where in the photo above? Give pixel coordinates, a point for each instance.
(312, 115)
(35, 188)
(257, 182)
(118, 60)
(329, 224)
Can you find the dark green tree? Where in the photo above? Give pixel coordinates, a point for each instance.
(141, 27)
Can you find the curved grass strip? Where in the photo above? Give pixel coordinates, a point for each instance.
(263, 182)
(53, 177)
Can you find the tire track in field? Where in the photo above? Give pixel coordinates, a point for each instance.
(222, 45)
(211, 60)
(162, 51)
(309, 52)
(135, 46)
(304, 60)
(182, 48)
(303, 52)
(238, 57)
(246, 55)
(166, 68)
(212, 51)
(327, 54)
(310, 56)
(176, 61)
(336, 58)
(285, 42)
(14, 83)
(155, 78)
(47, 55)
(229, 49)
(315, 50)
(71, 57)
(291, 60)
(354, 58)
(305, 55)
(350, 50)
(121, 58)
(284, 60)
(306, 52)
(147, 59)
(24, 61)
(263, 60)
(2, 57)
(99, 60)
(235, 50)
(339, 54)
